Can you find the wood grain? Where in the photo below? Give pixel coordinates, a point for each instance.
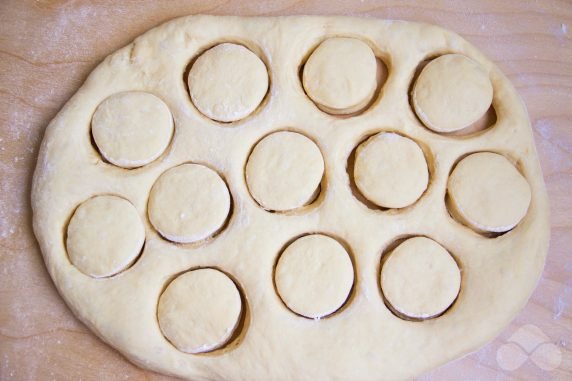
(47, 48)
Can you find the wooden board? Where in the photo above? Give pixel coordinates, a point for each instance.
(47, 48)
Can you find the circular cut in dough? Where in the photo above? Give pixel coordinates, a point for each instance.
(487, 193)
(451, 93)
(131, 129)
(284, 171)
(105, 236)
(314, 276)
(420, 279)
(189, 203)
(228, 82)
(200, 310)
(340, 75)
(390, 170)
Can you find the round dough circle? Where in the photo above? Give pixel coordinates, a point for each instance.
(200, 310)
(105, 236)
(228, 82)
(189, 203)
(390, 170)
(131, 129)
(340, 75)
(314, 276)
(487, 193)
(420, 279)
(451, 93)
(284, 171)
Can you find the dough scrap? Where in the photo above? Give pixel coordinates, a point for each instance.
(284, 171)
(199, 311)
(420, 279)
(451, 93)
(189, 203)
(228, 82)
(340, 75)
(314, 276)
(105, 236)
(488, 193)
(132, 128)
(390, 170)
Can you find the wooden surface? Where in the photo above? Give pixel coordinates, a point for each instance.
(47, 48)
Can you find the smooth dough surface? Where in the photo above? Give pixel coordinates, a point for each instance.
(227, 82)
(420, 279)
(132, 128)
(199, 310)
(314, 276)
(104, 236)
(488, 193)
(390, 170)
(364, 339)
(452, 92)
(188, 203)
(284, 171)
(340, 75)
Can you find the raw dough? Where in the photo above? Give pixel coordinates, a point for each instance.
(390, 170)
(420, 279)
(227, 82)
(200, 310)
(364, 340)
(314, 276)
(340, 75)
(284, 171)
(104, 236)
(451, 93)
(488, 193)
(189, 203)
(131, 129)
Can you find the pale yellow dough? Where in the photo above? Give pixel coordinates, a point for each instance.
(420, 279)
(488, 193)
(314, 276)
(340, 75)
(451, 93)
(390, 170)
(105, 236)
(199, 191)
(227, 82)
(132, 129)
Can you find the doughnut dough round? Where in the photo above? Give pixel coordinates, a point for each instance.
(132, 128)
(227, 82)
(451, 93)
(390, 170)
(199, 311)
(364, 339)
(340, 75)
(189, 203)
(420, 279)
(314, 276)
(488, 193)
(284, 171)
(105, 236)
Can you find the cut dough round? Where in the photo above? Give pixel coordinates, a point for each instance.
(131, 129)
(284, 171)
(420, 279)
(105, 236)
(340, 75)
(189, 203)
(390, 170)
(314, 276)
(228, 82)
(487, 193)
(200, 310)
(451, 93)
